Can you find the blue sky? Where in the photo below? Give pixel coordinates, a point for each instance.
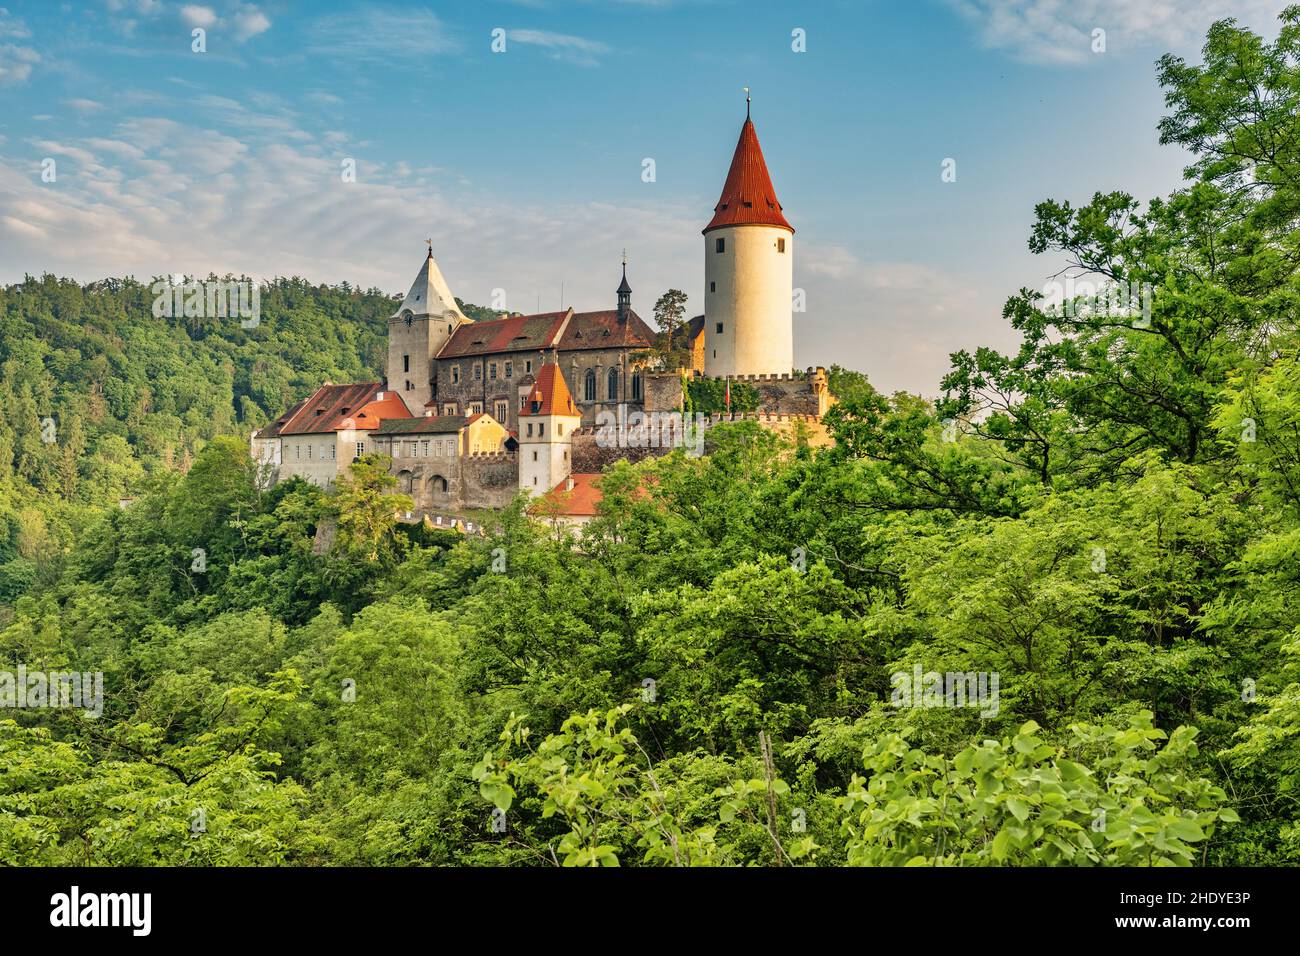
(525, 166)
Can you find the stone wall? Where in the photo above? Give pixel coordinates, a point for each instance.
(800, 393)
(590, 458)
(663, 391)
(488, 481)
(486, 390)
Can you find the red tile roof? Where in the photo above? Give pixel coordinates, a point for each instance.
(273, 429)
(567, 331)
(580, 501)
(602, 330)
(514, 333)
(550, 395)
(747, 196)
(335, 407)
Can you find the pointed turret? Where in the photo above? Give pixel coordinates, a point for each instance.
(748, 197)
(624, 293)
(418, 330)
(548, 418)
(430, 294)
(748, 271)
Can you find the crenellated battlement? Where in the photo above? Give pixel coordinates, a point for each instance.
(764, 418)
(490, 457)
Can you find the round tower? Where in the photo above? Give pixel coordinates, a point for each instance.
(748, 272)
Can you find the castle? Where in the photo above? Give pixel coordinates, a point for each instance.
(473, 412)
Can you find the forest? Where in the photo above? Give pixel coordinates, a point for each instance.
(1100, 530)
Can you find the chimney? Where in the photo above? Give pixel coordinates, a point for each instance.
(568, 483)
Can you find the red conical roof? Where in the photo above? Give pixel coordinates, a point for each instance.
(549, 395)
(748, 198)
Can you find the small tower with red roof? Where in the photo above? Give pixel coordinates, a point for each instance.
(548, 418)
(748, 271)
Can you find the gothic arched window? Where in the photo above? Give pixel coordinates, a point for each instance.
(589, 386)
(636, 386)
(613, 385)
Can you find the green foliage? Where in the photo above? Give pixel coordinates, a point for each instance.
(708, 396)
(1023, 801)
(1106, 520)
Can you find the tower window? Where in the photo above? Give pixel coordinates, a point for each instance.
(528, 367)
(719, 328)
(713, 287)
(455, 375)
(406, 363)
(534, 459)
(780, 245)
(720, 245)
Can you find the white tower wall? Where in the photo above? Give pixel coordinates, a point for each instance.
(748, 289)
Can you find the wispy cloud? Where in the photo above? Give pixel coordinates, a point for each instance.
(562, 46)
(1062, 31)
(381, 33)
(16, 60)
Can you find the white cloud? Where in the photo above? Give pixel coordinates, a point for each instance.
(197, 16)
(16, 64)
(1061, 31)
(12, 28)
(562, 46)
(82, 105)
(898, 321)
(159, 197)
(243, 20)
(249, 21)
